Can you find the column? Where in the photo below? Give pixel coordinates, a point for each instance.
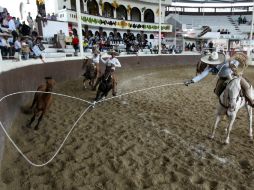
(79, 28)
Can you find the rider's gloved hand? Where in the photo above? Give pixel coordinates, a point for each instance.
(188, 82)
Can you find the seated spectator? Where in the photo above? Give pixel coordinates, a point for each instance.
(25, 29)
(17, 45)
(85, 45)
(53, 16)
(25, 50)
(5, 22)
(5, 45)
(48, 16)
(17, 23)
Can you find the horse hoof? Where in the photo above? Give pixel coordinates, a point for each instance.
(211, 137)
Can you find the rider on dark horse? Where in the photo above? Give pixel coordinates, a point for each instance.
(111, 64)
(226, 70)
(93, 71)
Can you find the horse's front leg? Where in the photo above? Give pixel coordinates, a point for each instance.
(249, 110)
(32, 120)
(231, 122)
(39, 120)
(218, 118)
(84, 83)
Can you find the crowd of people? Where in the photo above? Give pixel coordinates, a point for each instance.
(114, 40)
(19, 39)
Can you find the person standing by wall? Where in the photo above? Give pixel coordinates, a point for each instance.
(61, 39)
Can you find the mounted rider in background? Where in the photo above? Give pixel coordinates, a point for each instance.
(93, 71)
(111, 64)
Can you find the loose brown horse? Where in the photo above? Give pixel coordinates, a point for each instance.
(42, 101)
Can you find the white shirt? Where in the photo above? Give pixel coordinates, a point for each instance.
(112, 62)
(11, 25)
(95, 59)
(17, 44)
(5, 43)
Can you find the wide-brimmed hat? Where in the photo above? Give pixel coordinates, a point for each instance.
(24, 44)
(213, 59)
(96, 51)
(39, 38)
(5, 34)
(113, 52)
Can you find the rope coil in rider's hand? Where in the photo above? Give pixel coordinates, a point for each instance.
(243, 63)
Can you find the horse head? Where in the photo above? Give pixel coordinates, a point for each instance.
(234, 88)
(50, 83)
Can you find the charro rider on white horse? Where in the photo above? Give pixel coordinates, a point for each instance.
(226, 69)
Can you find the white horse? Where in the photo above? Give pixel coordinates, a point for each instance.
(230, 103)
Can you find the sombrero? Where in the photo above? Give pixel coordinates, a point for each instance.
(111, 52)
(5, 34)
(213, 59)
(243, 60)
(26, 37)
(96, 51)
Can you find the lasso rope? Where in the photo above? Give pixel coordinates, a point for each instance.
(91, 105)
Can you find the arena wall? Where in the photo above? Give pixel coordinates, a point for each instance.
(29, 77)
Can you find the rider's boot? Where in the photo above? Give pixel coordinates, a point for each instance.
(247, 90)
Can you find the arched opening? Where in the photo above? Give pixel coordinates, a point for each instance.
(121, 13)
(151, 36)
(90, 33)
(93, 7)
(111, 34)
(97, 33)
(74, 31)
(41, 8)
(108, 10)
(135, 14)
(148, 15)
(104, 34)
(73, 5)
(82, 9)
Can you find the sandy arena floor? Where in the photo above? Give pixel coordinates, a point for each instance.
(154, 140)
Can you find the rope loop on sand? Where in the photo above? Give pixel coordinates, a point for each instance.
(91, 104)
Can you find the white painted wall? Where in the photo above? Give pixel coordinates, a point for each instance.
(13, 7)
(53, 27)
(149, 4)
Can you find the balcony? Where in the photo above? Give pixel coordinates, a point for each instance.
(86, 19)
